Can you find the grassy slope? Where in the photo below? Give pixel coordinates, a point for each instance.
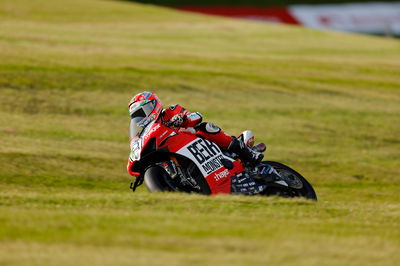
(326, 103)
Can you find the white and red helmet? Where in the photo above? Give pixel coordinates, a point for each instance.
(144, 108)
(146, 105)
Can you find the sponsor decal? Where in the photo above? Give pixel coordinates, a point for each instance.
(163, 134)
(357, 17)
(206, 154)
(147, 135)
(371, 17)
(221, 175)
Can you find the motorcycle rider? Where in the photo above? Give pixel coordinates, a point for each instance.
(146, 107)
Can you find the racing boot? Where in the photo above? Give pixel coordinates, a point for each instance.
(245, 153)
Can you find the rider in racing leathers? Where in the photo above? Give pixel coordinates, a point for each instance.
(148, 105)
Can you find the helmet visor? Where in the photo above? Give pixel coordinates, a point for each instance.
(142, 108)
(140, 116)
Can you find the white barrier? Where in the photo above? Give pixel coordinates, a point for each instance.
(372, 18)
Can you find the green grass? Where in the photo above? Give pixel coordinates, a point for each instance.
(326, 103)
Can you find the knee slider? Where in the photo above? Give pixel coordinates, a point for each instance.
(208, 127)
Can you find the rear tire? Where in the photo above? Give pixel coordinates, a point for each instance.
(298, 185)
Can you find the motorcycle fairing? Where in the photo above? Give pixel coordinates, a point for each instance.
(208, 158)
(205, 154)
(140, 141)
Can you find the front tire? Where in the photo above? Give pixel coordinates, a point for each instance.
(154, 179)
(298, 185)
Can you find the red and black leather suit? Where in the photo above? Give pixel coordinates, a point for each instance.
(178, 117)
(192, 122)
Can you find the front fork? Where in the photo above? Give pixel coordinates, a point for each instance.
(171, 166)
(176, 172)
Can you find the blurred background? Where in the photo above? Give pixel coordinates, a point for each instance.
(370, 17)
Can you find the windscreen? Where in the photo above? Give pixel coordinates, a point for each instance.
(140, 117)
(136, 127)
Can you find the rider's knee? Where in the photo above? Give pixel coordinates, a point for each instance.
(208, 127)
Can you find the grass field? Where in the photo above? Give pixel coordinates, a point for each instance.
(327, 104)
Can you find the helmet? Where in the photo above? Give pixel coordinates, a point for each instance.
(143, 108)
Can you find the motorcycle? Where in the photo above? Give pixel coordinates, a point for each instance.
(167, 159)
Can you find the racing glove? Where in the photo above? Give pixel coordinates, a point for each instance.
(177, 120)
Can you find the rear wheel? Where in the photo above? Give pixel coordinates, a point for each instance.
(298, 185)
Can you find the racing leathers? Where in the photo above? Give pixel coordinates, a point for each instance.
(179, 117)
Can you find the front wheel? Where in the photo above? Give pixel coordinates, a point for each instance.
(298, 185)
(155, 179)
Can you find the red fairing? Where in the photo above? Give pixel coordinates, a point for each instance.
(220, 180)
(166, 136)
(163, 135)
(129, 166)
(131, 162)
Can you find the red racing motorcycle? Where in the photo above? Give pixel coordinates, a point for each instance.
(166, 159)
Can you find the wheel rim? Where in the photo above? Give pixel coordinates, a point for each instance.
(291, 179)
